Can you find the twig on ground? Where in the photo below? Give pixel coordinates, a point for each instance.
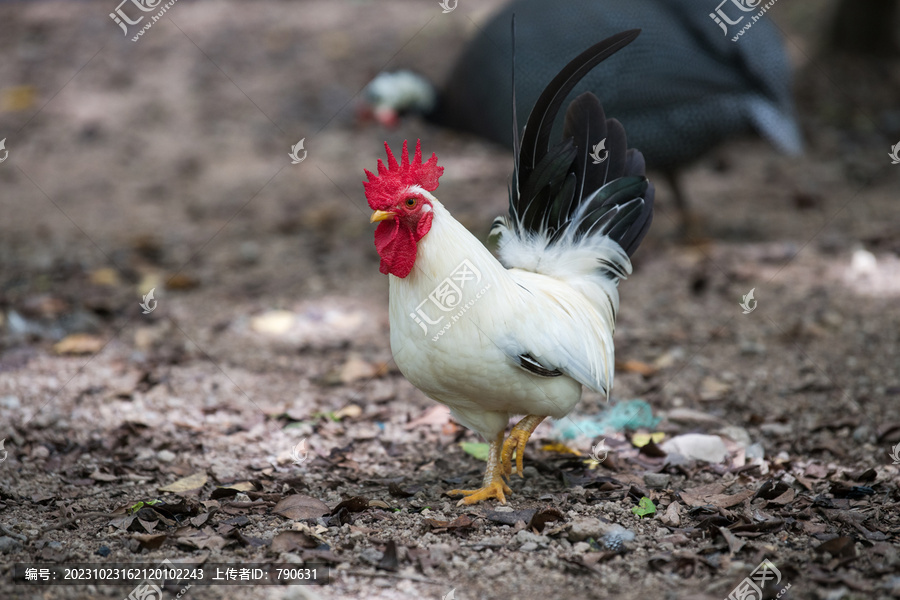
(5, 531)
(67, 522)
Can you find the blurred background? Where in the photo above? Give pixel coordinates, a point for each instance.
(163, 164)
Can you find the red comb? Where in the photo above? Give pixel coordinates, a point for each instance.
(382, 189)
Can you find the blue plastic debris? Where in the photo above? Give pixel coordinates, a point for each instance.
(627, 414)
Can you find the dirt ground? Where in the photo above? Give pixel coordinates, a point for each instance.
(256, 413)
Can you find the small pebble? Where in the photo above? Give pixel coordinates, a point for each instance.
(165, 456)
(862, 434)
(10, 402)
(777, 428)
(249, 251)
(657, 481)
(585, 527)
(524, 536)
(371, 555)
(750, 347)
(440, 552)
(9, 545)
(103, 551)
(581, 547)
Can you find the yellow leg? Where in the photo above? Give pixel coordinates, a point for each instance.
(494, 486)
(516, 443)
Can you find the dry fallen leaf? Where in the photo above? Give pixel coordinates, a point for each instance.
(180, 281)
(186, 484)
(355, 504)
(389, 561)
(759, 528)
(400, 492)
(45, 306)
(18, 98)
(200, 519)
(105, 276)
(816, 470)
(148, 526)
(101, 476)
(299, 507)
(351, 411)
(544, 516)
(150, 541)
(460, 522)
(355, 369)
(713, 494)
(226, 491)
(636, 366)
(734, 542)
(436, 415)
(713, 389)
(290, 541)
(203, 539)
(671, 517)
(273, 322)
(79, 343)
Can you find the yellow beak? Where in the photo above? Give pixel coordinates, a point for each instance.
(381, 215)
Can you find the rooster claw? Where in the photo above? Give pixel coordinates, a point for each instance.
(497, 490)
(516, 441)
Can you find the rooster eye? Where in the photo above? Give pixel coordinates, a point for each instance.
(410, 202)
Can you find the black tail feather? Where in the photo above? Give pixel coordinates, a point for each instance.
(586, 121)
(515, 123)
(536, 138)
(590, 183)
(617, 146)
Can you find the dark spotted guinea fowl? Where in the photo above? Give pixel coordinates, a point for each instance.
(679, 90)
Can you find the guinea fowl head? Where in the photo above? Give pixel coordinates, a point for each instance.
(400, 197)
(391, 94)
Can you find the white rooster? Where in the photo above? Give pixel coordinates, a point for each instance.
(493, 338)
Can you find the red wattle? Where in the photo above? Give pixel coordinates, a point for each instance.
(396, 246)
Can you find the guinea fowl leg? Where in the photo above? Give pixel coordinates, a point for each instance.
(681, 203)
(494, 486)
(690, 226)
(516, 443)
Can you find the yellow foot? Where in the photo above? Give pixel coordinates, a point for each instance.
(516, 441)
(494, 486)
(497, 489)
(514, 444)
